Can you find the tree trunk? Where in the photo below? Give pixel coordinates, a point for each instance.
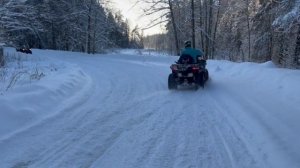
(174, 28)
(1, 57)
(89, 28)
(201, 25)
(94, 33)
(297, 50)
(193, 25)
(67, 45)
(206, 28)
(249, 31)
(53, 36)
(270, 52)
(215, 32)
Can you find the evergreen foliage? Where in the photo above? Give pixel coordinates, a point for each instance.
(237, 30)
(73, 25)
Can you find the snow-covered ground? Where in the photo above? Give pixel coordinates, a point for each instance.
(69, 109)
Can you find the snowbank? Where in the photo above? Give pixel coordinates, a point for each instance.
(262, 104)
(142, 52)
(265, 77)
(33, 88)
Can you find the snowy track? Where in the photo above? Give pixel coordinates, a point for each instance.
(129, 119)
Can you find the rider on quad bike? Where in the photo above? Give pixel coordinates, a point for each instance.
(189, 69)
(194, 53)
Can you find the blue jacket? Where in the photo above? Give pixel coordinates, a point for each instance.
(195, 53)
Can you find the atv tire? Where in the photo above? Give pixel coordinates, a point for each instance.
(200, 79)
(206, 75)
(172, 82)
(196, 87)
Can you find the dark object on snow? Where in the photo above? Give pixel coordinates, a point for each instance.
(185, 73)
(24, 50)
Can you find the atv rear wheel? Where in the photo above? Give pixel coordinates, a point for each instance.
(196, 87)
(172, 82)
(206, 75)
(200, 79)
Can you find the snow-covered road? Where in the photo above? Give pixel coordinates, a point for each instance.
(123, 116)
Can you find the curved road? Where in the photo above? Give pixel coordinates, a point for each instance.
(130, 119)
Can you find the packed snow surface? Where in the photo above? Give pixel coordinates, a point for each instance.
(67, 109)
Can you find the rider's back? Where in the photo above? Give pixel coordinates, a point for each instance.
(192, 52)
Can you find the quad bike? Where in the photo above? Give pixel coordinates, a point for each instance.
(187, 73)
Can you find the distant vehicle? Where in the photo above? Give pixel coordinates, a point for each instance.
(24, 50)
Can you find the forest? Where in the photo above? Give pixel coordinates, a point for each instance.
(72, 25)
(235, 30)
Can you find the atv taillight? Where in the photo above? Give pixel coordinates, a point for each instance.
(195, 69)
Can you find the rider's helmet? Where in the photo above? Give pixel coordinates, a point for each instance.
(187, 44)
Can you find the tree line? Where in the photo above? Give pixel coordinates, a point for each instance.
(237, 30)
(73, 25)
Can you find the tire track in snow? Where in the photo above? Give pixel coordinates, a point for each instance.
(103, 121)
(162, 127)
(136, 123)
(232, 136)
(198, 145)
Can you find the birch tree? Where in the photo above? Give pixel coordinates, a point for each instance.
(165, 9)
